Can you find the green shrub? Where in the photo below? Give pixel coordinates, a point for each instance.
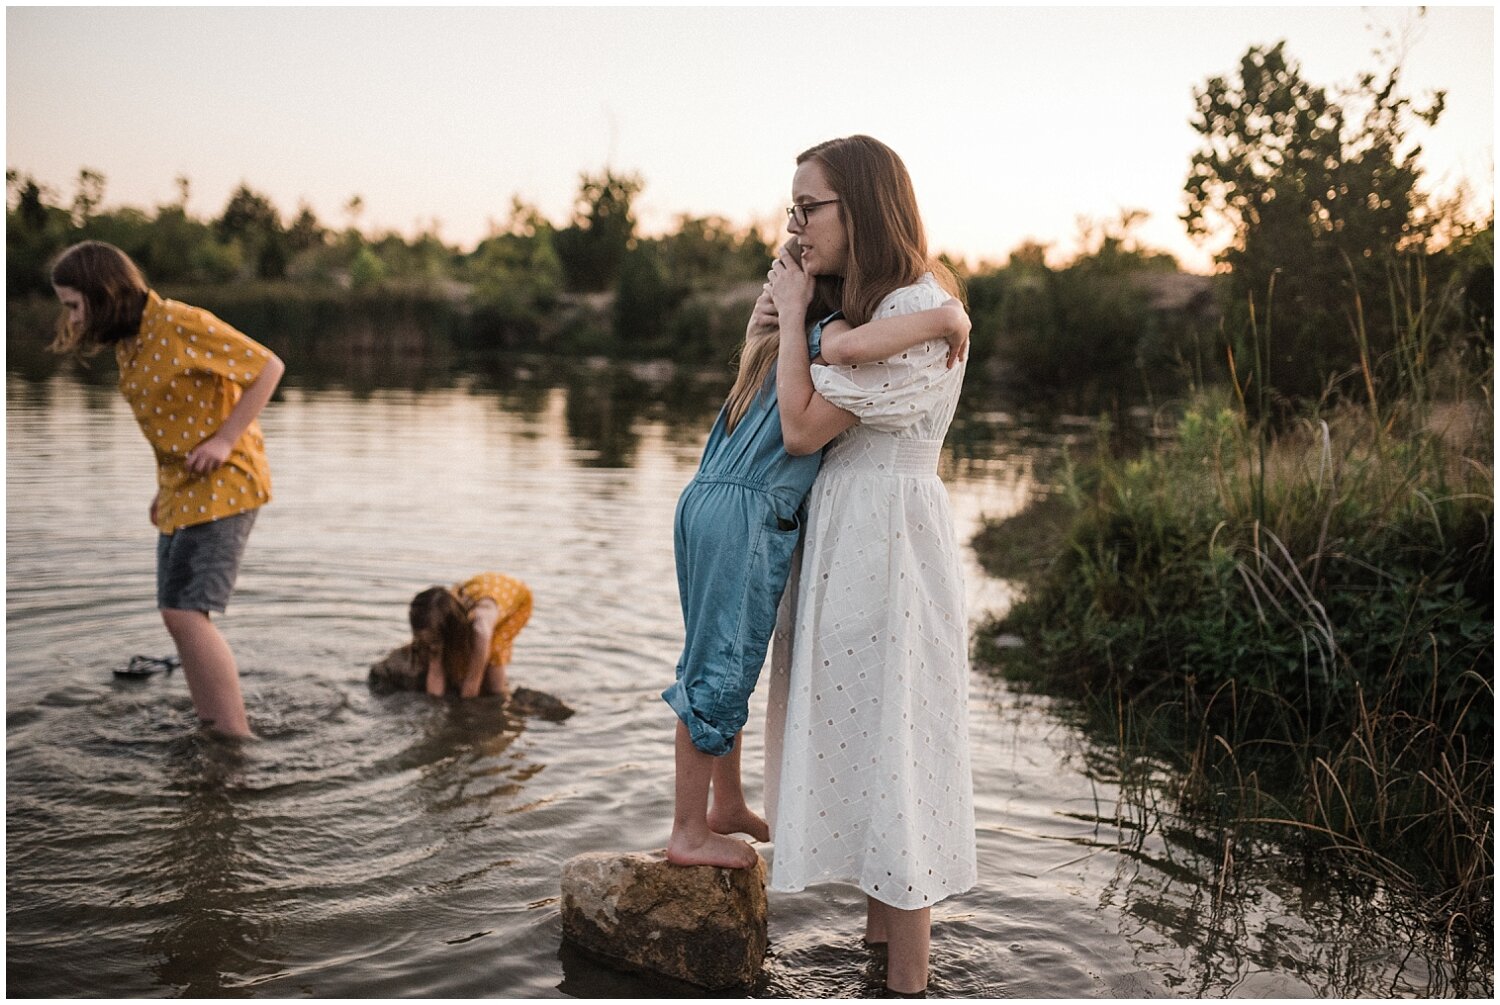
(1312, 609)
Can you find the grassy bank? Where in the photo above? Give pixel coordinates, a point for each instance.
(1302, 619)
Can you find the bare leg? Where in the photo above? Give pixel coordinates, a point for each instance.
(692, 843)
(910, 945)
(730, 813)
(213, 679)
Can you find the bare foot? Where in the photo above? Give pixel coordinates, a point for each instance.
(214, 729)
(738, 820)
(714, 849)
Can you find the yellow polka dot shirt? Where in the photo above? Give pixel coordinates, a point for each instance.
(512, 596)
(182, 374)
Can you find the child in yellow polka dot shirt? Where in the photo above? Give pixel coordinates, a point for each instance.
(182, 376)
(196, 386)
(462, 638)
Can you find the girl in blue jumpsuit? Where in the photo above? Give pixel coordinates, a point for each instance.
(737, 525)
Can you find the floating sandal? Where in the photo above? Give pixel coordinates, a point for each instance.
(145, 666)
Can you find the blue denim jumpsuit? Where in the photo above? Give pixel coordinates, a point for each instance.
(738, 522)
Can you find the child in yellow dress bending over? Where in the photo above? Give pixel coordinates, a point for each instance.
(462, 637)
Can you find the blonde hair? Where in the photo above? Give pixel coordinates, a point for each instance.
(114, 294)
(757, 357)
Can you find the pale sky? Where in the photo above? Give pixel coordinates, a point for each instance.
(1014, 122)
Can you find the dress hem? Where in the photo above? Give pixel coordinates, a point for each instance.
(872, 894)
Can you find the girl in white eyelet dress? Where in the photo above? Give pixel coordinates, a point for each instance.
(867, 763)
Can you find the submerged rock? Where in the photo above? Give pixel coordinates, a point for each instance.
(699, 924)
(399, 672)
(537, 704)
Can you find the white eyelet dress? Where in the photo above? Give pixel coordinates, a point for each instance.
(867, 744)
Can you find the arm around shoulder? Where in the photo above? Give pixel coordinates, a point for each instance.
(885, 337)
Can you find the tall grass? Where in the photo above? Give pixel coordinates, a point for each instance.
(1301, 610)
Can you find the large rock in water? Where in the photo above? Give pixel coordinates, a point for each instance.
(397, 671)
(699, 923)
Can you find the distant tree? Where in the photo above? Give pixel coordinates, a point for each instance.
(432, 258)
(709, 250)
(366, 270)
(593, 246)
(306, 232)
(1319, 193)
(516, 276)
(178, 248)
(88, 195)
(35, 230)
(216, 262)
(28, 195)
(1114, 245)
(1084, 333)
(348, 242)
(645, 302)
(247, 214)
(1029, 255)
(424, 259)
(127, 228)
(252, 222)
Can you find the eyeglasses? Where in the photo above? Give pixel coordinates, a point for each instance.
(798, 213)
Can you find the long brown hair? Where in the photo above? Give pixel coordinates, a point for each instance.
(887, 250)
(114, 296)
(887, 243)
(440, 628)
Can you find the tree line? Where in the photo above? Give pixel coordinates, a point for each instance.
(508, 286)
(1319, 191)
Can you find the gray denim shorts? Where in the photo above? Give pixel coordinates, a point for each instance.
(196, 566)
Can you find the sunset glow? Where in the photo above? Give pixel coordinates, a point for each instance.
(1015, 123)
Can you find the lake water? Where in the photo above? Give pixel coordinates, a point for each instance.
(398, 846)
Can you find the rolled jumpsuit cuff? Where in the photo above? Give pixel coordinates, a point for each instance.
(706, 737)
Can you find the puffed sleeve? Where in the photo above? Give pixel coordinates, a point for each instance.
(219, 348)
(893, 394)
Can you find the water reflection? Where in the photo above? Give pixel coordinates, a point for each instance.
(1212, 911)
(601, 415)
(588, 977)
(214, 935)
(518, 386)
